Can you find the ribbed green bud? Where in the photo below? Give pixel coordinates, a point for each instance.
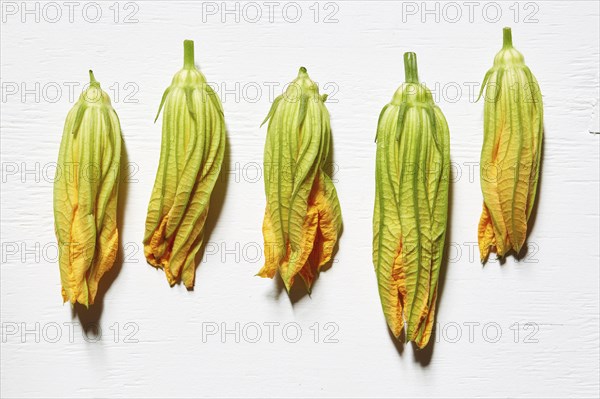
(85, 194)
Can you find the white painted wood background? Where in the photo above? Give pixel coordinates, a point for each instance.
(163, 346)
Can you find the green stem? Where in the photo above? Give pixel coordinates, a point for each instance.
(410, 68)
(507, 38)
(93, 81)
(188, 54)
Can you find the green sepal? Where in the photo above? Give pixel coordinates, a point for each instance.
(162, 102)
(272, 110)
(79, 117)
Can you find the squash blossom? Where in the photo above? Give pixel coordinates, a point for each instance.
(510, 157)
(411, 206)
(85, 194)
(302, 219)
(192, 150)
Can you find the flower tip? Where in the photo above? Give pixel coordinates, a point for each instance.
(287, 284)
(92, 77)
(302, 71)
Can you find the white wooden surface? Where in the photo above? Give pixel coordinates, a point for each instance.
(166, 349)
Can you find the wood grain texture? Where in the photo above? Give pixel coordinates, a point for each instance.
(556, 286)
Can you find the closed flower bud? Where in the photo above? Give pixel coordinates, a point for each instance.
(411, 206)
(302, 220)
(85, 194)
(511, 153)
(192, 151)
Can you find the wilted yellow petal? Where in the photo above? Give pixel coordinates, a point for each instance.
(302, 218)
(510, 157)
(192, 151)
(411, 206)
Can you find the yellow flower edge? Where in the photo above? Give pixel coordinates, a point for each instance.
(411, 206)
(191, 156)
(86, 194)
(511, 152)
(302, 219)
